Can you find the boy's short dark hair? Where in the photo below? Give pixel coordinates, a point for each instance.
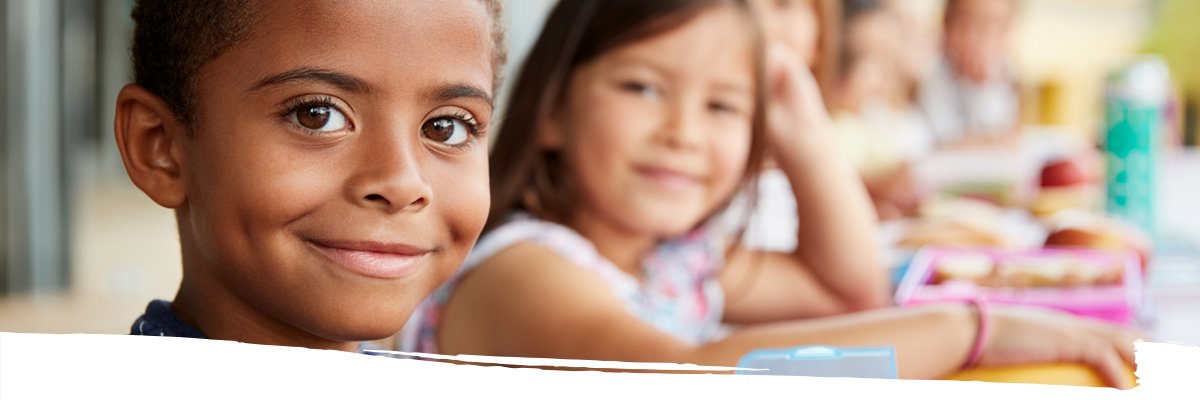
(172, 39)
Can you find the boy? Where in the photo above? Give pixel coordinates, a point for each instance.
(326, 162)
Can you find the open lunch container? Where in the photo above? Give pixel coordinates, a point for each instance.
(1104, 285)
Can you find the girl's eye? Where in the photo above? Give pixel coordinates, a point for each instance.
(446, 130)
(722, 108)
(640, 88)
(321, 118)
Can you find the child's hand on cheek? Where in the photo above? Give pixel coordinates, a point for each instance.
(795, 107)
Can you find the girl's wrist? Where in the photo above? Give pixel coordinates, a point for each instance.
(801, 128)
(811, 139)
(811, 153)
(983, 320)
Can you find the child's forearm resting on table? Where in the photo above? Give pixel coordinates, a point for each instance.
(919, 355)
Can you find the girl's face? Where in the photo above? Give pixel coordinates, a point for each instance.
(336, 175)
(657, 133)
(794, 22)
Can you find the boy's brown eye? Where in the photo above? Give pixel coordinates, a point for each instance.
(445, 130)
(313, 117)
(321, 118)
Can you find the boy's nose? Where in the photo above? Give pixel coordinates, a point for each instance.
(390, 177)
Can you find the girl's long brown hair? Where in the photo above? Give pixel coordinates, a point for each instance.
(526, 177)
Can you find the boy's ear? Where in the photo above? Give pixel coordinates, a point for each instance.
(149, 138)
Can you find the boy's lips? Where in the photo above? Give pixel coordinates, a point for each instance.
(374, 259)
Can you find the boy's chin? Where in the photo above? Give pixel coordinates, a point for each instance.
(358, 331)
(358, 325)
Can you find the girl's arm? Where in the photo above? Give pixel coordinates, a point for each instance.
(836, 266)
(529, 302)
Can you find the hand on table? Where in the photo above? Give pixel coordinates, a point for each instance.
(1034, 336)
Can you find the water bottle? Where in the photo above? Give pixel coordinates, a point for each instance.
(1135, 99)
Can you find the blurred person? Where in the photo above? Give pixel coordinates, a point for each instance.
(917, 53)
(809, 27)
(816, 31)
(970, 98)
(874, 121)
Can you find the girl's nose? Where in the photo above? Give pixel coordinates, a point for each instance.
(681, 128)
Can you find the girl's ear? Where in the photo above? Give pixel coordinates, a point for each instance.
(549, 131)
(150, 138)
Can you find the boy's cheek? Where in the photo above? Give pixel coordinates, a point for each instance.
(462, 197)
(475, 200)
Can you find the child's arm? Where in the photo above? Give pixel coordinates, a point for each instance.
(529, 302)
(837, 265)
(893, 193)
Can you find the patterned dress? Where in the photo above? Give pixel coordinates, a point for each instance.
(678, 293)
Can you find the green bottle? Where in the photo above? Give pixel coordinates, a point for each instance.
(1135, 99)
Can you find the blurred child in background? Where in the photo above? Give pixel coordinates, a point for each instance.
(877, 127)
(809, 30)
(970, 98)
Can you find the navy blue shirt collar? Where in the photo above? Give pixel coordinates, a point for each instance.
(160, 320)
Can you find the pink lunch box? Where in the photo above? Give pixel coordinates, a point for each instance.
(1116, 303)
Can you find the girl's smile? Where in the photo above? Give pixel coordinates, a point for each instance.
(675, 179)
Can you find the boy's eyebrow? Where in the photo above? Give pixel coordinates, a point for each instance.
(457, 91)
(342, 81)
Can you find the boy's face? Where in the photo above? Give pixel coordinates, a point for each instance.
(333, 179)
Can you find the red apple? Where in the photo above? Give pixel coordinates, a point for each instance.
(1070, 171)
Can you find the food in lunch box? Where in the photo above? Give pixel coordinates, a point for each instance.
(1089, 283)
(1062, 270)
(973, 267)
